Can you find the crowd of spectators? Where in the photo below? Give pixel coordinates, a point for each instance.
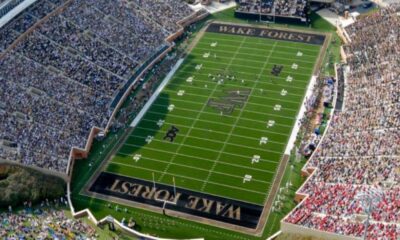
(360, 153)
(291, 8)
(43, 223)
(63, 62)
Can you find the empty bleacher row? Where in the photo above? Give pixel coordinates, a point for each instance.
(359, 157)
(62, 62)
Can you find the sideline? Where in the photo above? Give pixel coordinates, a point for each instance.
(300, 116)
(156, 93)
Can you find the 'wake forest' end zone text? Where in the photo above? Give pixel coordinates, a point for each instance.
(186, 201)
(276, 34)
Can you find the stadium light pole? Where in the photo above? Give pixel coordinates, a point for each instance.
(173, 180)
(369, 200)
(154, 181)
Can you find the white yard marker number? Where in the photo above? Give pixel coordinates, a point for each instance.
(137, 157)
(284, 92)
(289, 79)
(199, 66)
(299, 54)
(255, 159)
(277, 107)
(171, 107)
(189, 80)
(295, 66)
(149, 139)
(263, 140)
(181, 92)
(247, 178)
(270, 123)
(160, 123)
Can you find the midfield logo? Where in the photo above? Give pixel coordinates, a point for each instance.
(227, 103)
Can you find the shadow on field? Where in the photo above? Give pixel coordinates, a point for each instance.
(146, 127)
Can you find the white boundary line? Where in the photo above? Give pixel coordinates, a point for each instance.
(302, 112)
(156, 93)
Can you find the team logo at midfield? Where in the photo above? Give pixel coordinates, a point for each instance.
(227, 103)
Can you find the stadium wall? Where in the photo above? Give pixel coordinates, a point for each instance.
(195, 17)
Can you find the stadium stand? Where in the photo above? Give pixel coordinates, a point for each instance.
(44, 222)
(291, 8)
(63, 62)
(360, 153)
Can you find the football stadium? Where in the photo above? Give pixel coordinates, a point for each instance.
(150, 119)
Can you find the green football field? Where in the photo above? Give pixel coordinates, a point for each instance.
(234, 118)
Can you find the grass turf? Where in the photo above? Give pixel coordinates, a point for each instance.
(212, 153)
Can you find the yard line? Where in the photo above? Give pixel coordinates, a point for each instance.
(226, 116)
(208, 149)
(235, 85)
(229, 40)
(224, 124)
(251, 55)
(198, 115)
(263, 98)
(200, 129)
(234, 125)
(243, 66)
(246, 73)
(185, 155)
(206, 96)
(196, 168)
(211, 140)
(256, 104)
(185, 177)
(225, 163)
